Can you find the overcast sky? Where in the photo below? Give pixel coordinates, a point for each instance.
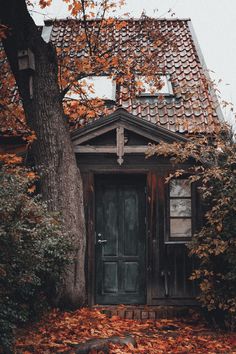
(214, 22)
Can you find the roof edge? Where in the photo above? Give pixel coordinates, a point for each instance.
(206, 71)
(122, 113)
(49, 22)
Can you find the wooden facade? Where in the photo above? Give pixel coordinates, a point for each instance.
(131, 257)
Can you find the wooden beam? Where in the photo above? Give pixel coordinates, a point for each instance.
(94, 133)
(120, 142)
(135, 149)
(89, 149)
(109, 149)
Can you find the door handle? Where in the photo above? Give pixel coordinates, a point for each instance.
(165, 274)
(101, 241)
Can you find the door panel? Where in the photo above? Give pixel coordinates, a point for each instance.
(120, 239)
(131, 221)
(109, 213)
(110, 273)
(131, 277)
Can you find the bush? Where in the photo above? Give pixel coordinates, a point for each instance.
(213, 166)
(215, 244)
(33, 253)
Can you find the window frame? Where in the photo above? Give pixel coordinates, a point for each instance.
(170, 92)
(113, 87)
(184, 239)
(92, 96)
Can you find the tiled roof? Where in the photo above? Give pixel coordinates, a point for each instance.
(185, 111)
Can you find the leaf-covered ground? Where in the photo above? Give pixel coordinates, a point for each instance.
(61, 331)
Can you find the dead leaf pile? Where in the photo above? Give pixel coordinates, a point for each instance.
(61, 331)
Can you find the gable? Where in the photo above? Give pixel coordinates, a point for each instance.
(120, 133)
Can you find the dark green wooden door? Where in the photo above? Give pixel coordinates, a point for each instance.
(120, 239)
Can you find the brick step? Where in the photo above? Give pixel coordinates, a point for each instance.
(145, 313)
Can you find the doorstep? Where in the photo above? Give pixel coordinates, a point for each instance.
(140, 312)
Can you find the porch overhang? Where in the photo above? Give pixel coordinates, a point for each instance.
(84, 139)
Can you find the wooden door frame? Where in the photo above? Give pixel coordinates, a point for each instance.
(155, 230)
(89, 191)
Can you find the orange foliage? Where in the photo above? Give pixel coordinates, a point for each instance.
(12, 118)
(44, 3)
(10, 159)
(108, 46)
(61, 331)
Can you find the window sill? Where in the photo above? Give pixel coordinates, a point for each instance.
(174, 242)
(169, 95)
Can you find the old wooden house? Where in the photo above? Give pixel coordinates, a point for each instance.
(137, 224)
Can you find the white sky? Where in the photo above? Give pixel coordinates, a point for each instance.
(214, 22)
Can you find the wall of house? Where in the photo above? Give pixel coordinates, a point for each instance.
(168, 266)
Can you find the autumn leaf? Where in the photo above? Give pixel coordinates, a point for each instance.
(31, 175)
(32, 189)
(61, 331)
(44, 3)
(10, 159)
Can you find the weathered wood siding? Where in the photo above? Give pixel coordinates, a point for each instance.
(168, 266)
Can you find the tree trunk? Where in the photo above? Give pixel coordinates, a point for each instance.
(101, 345)
(61, 183)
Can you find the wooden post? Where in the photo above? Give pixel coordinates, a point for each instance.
(120, 142)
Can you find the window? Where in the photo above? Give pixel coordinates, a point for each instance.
(155, 85)
(180, 209)
(103, 87)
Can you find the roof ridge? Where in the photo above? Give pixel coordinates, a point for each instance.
(50, 21)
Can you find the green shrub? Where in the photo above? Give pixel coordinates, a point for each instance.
(33, 253)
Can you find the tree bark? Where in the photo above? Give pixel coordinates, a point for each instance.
(61, 183)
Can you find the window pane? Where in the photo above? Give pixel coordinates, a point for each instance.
(102, 87)
(180, 207)
(148, 85)
(180, 188)
(180, 227)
